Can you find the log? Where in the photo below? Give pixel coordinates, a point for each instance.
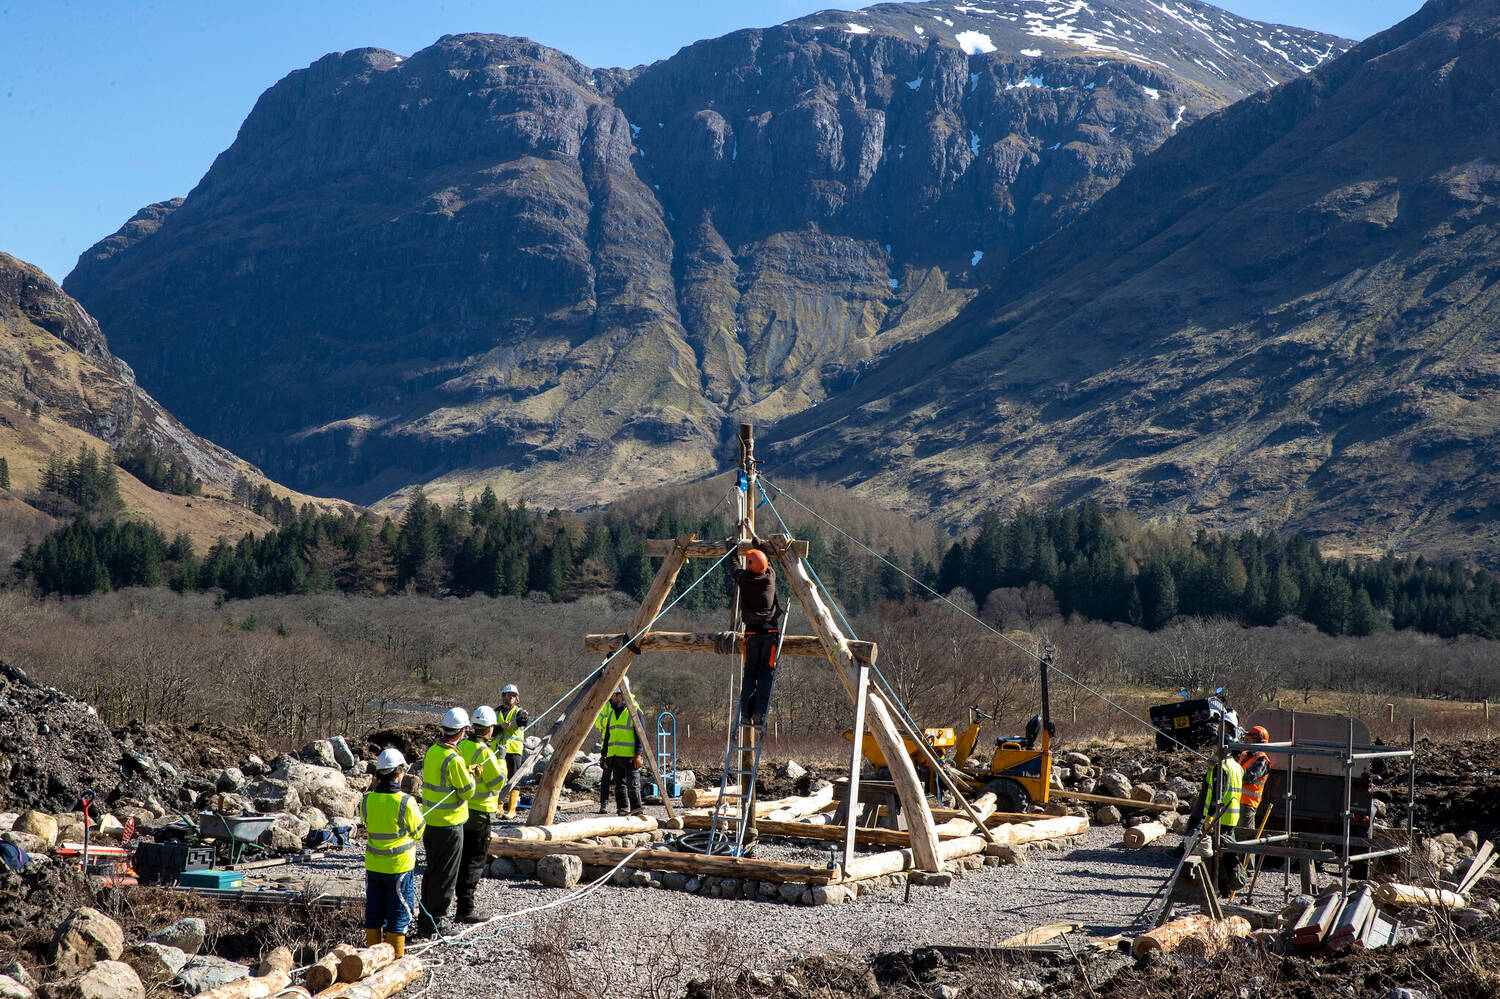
(1104, 799)
(250, 988)
(1040, 935)
(279, 959)
(809, 805)
(707, 641)
(363, 963)
(580, 723)
(1147, 832)
(792, 802)
(294, 992)
(896, 861)
(1053, 827)
(559, 832)
(388, 981)
(878, 719)
(323, 974)
(1196, 936)
(1047, 828)
(662, 547)
(776, 871)
(1399, 896)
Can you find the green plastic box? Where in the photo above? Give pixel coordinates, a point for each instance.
(211, 879)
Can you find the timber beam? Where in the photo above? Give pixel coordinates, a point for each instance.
(687, 641)
(776, 871)
(662, 547)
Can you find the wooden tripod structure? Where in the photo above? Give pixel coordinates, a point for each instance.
(850, 660)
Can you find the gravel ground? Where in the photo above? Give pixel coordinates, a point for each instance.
(646, 941)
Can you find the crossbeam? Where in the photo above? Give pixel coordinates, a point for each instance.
(776, 871)
(662, 547)
(687, 641)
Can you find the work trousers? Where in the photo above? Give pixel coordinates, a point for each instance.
(512, 764)
(475, 855)
(755, 685)
(621, 772)
(444, 846)
(390, 900)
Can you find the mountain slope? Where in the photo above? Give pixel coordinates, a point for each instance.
(488, 263)
(62, 389)
(1287, 316)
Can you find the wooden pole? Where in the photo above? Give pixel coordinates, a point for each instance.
(648, 753)
(903, 773)
(707, 642)
(861, 695)
(279, 960)
(577, 726)
(364, 963)
(670, 860)
(562, 832)
(744, 532)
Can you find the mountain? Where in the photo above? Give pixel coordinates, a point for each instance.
(490, 263)
(61, 389)
(1288, 316)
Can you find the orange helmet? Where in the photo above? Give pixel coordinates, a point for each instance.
(756, 561)
(1258, 733)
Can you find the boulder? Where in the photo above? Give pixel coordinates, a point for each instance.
(1167, 798)
(1076, 759)
(271, 795)
(343, 756)
(314, 818)
(206, 972)
(253, 766)
(675, 880)
(8, 821)
(1184, 789)
(1114, 784)
(34, 845)
(86, 936)
(307, 778)
(1179, 824)
(686, 780)
(155, 963)
(12, 989)
(230, 779)
(336, 803)
(829, 895)
(319, 752)
(1107, 815)
(1154, 775)
(791, 893)
(103, 980)
(39, 824)
(17, 971)
(287, 835)
(792, 770)
(559, 870)
(501, 867)
(1142, 792)
(590, 778)
(186, 935)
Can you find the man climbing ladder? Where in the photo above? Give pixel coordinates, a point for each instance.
(760, 610)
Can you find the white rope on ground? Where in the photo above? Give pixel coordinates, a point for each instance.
(984, 624)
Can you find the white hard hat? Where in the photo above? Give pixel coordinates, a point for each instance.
(509, 688)
(484, 716)
(390, 759)
(455, 719)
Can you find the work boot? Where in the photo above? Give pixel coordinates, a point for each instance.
(510, 808)
(372, 937)
(397, 942)
(472, 915)
(621, 812)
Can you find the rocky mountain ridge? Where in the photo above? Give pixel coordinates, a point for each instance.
(487, 263)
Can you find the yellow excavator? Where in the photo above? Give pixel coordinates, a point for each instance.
(1019, 772)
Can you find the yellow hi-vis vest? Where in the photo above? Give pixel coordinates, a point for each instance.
(511, 730)
(1230, 782)
(393, 824)
(491, 777)
(615, 731)
(446, 786)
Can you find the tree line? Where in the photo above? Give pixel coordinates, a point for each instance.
(1083, 561)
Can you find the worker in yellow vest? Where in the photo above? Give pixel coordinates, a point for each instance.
(1220, 793)
(1256, 766)
(393, 825)
(619, 755)
(489, 777)
(511, 735)
(447, 786)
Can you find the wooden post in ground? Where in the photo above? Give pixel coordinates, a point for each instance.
(744, 530)
(924, 841)
(580, 723)
(861, 695)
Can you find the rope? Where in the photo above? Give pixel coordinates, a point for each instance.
(988, 627)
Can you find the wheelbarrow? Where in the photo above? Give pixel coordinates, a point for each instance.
(239, 831)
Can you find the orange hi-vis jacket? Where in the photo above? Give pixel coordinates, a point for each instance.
(1257, 767)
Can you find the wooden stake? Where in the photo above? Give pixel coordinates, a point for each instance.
(363, 963)
(323, 974)
(580, 723)
(903, 773)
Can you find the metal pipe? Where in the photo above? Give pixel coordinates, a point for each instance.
(1377, 853)
(1291, 775)
(1217, 795)
(1411, 790)
(1388, 754)
(1348, 800)
(1273, 838)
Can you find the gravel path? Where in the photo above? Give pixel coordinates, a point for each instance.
(648, 941)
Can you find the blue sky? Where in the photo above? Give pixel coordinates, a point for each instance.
(106, 106)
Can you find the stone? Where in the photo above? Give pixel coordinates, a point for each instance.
(1086, 786)
(525, 865)
(936, 879)
(1076, 758)
(674, 880)
(86, 936)
(308, 778)
(336, 803)
(287, 835)
(230, 779)
(501, 867)
(640, 879)
(792, 770)
(1142, 792)
(38, 824)
(8, 821)
(589, 778)
(941, 991)
(767, 889)
(17, 971)
(1028, 987)
(253, 766)
(1166, 798)
(110, 829)
(693, 886)
(559, 870)
(1183, 788)
(155, 963)
(319, 753)
(1114, 784)
(686, 780)
(314, 818)
(1107, 815)
(1469, 917)
(206, 972)
(1154, 775)
(33, 845)
(791, 893)
(343, 756)
(1055, 808)
(185, 934)
(103, 980)
(1406, 994)
(829, 895)
(12, 989)
(270, 795)
(1179, 824)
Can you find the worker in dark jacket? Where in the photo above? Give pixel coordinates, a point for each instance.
(761, 613)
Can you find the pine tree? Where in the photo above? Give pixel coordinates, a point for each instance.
(4, 474)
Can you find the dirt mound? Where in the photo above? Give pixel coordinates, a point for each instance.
(32, 903)
(202, 746)
(412, 740)
(1457, 787)
(52, 747)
